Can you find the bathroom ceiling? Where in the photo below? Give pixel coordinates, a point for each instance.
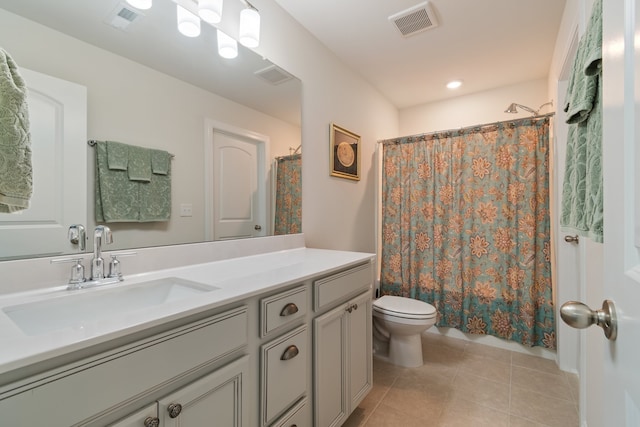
(486, 44)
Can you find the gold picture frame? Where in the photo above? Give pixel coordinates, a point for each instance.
(344, 153)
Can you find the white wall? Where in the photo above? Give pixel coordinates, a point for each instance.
(119, 108)
(474, 109)
(336, 213)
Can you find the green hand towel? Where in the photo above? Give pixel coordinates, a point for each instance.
(160, 162)
(139, 164)
(117, 155)
(16, 174)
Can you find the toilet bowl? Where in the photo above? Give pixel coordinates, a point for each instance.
(398, 323)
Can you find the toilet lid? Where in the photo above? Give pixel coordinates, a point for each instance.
(404, 307)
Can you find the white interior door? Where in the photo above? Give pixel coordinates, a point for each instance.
(621, 282)
(238, 193)
(58, 126)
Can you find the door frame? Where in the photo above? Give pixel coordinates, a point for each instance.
(263, 145)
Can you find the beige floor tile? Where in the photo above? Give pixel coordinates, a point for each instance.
(463, 413)
(442, 355)
(482, 391)
(574, 385)
(499, 354)
(440, 340)
(390, 416)
(538, 363)
(543, 408)
(417, 397)
(541, 382)
(487, 368)
(522, 422)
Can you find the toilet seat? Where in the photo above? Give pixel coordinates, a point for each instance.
(404, 308)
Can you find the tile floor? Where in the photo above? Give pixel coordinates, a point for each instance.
(469, 385)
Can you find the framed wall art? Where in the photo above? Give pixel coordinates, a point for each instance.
(344, 153)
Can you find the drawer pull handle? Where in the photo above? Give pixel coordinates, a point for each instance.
(174, 409)
(291, 352)
(152, 422)
(289, 309)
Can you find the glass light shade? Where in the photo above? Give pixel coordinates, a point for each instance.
(227, 46)
(141, 4)
(210, 10)
(188, 23)
(250, 27)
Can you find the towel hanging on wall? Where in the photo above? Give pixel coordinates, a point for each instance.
(16, 174)
(139, 192)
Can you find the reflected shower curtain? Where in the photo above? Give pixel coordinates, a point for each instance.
(466, 228)
(288, 209)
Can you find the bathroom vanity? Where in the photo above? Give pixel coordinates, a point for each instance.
(276, 339)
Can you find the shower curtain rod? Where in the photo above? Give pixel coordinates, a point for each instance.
(478, 127)
(288, 155)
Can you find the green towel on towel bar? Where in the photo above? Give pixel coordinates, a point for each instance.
(117, 155)
(122, 199)
(139, 165)
(16, 174)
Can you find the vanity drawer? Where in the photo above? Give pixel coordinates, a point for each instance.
(282, 309)
(283, 373)
(298, 416)
(100, 384)
(337, 287)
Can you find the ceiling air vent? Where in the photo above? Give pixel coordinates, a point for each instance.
(122, 16)
(273, 74)
(415, 19)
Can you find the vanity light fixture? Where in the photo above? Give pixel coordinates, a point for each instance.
(227, 46)
(188, 22)
(249, 26)
(141, 4)
(454, 84)
(210, 10)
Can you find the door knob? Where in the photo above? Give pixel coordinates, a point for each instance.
(572, 239)
(579, 315)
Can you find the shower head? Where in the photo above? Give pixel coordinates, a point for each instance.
(513, 108)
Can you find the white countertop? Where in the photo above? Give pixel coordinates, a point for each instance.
(237, 279)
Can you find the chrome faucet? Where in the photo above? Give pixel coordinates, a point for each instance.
(97, 263)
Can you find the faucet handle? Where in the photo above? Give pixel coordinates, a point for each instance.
(114, 265)
(77, 271)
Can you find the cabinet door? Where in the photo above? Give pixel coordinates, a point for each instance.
(330, 403)
(220, 398)
(359, 347)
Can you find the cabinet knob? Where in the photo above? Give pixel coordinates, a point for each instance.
(174, 409)
(152, 422)
(291, 352)
(289, 309)
(349, 309)
(355, 306)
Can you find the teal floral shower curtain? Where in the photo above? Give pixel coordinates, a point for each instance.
(288, 209)
(466, 228)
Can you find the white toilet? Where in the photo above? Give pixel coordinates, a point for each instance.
(398, 323)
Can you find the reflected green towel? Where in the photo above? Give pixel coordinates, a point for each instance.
(139, 165)
(582, 190)
(117, 155)
(117, 197)
(16, 174)
(160, 162)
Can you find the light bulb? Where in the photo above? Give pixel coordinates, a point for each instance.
(140, 4)
(210, 10)
(227, 46)
(188, 23)
(250, 27)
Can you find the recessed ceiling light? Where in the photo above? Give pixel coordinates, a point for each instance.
(454, 84)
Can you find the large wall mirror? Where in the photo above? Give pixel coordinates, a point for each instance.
(148, 85)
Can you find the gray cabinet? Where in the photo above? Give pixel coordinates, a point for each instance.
(343, 360)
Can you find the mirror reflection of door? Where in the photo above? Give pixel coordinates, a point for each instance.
(239, 202)
(58, 127)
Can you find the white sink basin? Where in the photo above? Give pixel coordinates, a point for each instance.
(74, 310)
